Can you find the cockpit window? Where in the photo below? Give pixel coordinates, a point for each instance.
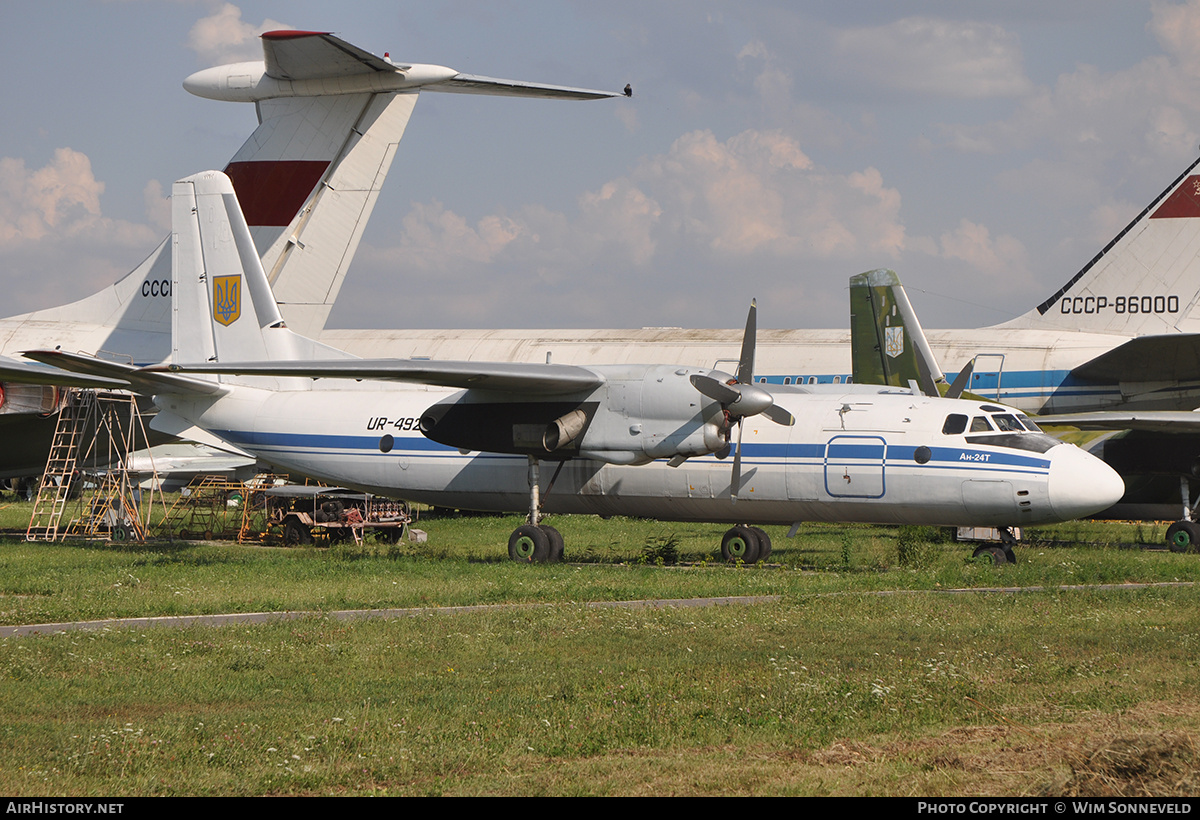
(979, 424)
(1028, 422)
(955, 424)
(1007, 423)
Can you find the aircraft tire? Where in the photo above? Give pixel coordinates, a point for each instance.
(764, 543)
(1183, 536)
(529, 544)
(740, 543)
(995, 554)
(556, 542)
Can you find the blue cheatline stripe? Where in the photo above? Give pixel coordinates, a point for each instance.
(809, 454)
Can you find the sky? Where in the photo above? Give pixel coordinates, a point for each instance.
(984, 151)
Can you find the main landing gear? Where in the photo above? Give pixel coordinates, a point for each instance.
(1184, 535)
(1002, 554)
(534, 542)
(746, 544)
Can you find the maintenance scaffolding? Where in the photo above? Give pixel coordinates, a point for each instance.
(89, 463)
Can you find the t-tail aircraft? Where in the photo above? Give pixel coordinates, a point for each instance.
(1123, 333)
(644, 440)
(331, 117)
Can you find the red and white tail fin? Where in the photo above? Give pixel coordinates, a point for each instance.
(1146, 281)
(331, 117)
(308, 178)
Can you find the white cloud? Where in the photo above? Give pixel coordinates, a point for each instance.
(223, 37)
(671, 234)
(1149, 108)
(60, 196)
(756, 193)
(54, 239)
(937, 57)
(1002, 256)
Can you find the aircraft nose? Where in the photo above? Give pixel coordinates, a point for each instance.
(1081, 484)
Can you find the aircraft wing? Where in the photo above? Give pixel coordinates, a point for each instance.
(103, 373)
(318, 55)
(1156, 421)
(514, 377)
(1159, 358)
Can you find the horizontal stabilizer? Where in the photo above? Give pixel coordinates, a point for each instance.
(531, 379)
(1156, 421)
(1160, 358)
(310, 55)
(14, 372)
(315, 64)
(117, 374)
(473, 84)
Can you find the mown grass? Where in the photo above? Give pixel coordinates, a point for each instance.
(832, 690)
(568, 700)
(465, 563)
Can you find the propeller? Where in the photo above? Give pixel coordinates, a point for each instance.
(740, 397)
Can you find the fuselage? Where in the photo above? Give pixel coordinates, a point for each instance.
(853, 455)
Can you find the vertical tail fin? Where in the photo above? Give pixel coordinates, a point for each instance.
(223, 308)
(887, 343)
(1146, 281)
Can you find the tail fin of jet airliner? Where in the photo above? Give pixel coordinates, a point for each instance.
(1145, 281)
(331, 117)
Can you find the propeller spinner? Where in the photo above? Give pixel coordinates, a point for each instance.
(740, 397)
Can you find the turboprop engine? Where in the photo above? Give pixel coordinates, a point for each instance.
(634, 415)
(640, 413)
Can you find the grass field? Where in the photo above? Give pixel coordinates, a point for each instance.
(838, 688)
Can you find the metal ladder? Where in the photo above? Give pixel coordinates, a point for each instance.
(55, 487)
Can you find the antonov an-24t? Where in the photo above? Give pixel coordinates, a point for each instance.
(643, 440)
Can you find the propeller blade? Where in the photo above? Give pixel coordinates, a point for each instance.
(960, 381)
(736, 481)
(779, 416)
(745, 372)
(714, 389)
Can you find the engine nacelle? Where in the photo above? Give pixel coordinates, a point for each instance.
(639, 414)
(20, 399)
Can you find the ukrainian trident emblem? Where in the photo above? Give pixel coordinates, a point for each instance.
(227, 302)
(893, 341)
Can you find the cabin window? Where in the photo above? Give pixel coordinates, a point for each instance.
(787, 379)
(837, 379)
(980, 424)
(812, 379)
(849, 380)
(955, 423)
